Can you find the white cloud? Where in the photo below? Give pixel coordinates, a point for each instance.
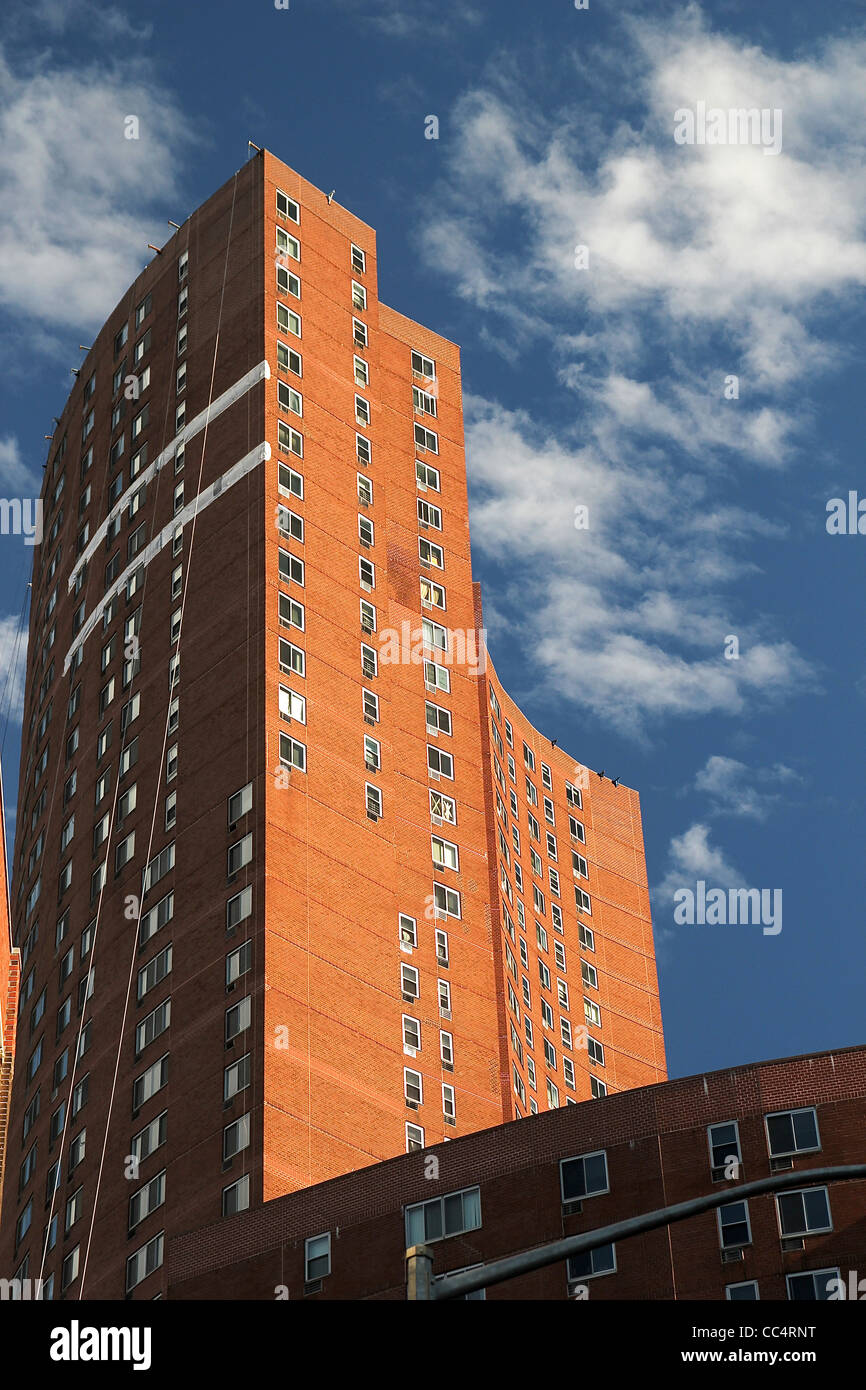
(707, 244)
(625, 616)
(58, 17)
(691, 858)
(736, 789)
(705, 262)
(16, 479)
(399, 19)
(77, 199)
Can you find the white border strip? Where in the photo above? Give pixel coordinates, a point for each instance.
(239, 470)
(234, 393)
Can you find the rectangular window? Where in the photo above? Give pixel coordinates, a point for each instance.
(144, 1262)
(438, 719)
(237, 1077)
(602, 1260)
(317, 1257)
(734, 1228)
(287, 207)
(151, 1138)
(413, 1087)
(804, 1213)
(291, 569)
(238, 908)
(153, 1026)
(146, 1200)
(292, 705)
(159, 866)
(451, 1215)
(818, 1285)
(236, 1197)
(288, 245)
(446, 900)
(293, 753)
(426, 476)
(791, 1132)
(236, 1137)
(287, 283)
(439, 763)
(154, 972)
(423, 402)
(288, 321)
(238, 1018)
(445, 854)
(292, 659)
(423, 366)
(288, 360)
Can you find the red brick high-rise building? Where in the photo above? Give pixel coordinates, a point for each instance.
(297, 887)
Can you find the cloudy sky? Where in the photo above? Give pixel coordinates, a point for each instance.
(660, 353)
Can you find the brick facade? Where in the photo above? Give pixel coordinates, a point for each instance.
(656, 1145)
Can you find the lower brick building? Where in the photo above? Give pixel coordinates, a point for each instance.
(503, 1190)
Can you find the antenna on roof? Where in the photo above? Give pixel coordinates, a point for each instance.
(176, 225)
(331, 196)
(251, 145)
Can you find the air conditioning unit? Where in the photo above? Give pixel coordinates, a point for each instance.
(444, 1013)
(410, 1051)
(368, 719)
(368, 588)
(425, 524)
(718, 1174)
(778, 1165)
(369, 671)
(371, 767)
(425, 603)
(732, 1256)
(371, 815)
(313, 1286)
(437, 820)
(412, 1104)
(365, 544)
(793, 1243)
(450, 1120)
(572, 1208)
(432, 774)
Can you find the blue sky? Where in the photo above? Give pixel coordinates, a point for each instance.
(600, 387)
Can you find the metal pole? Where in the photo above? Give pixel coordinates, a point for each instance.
(419, 1272)
(456, 1285)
